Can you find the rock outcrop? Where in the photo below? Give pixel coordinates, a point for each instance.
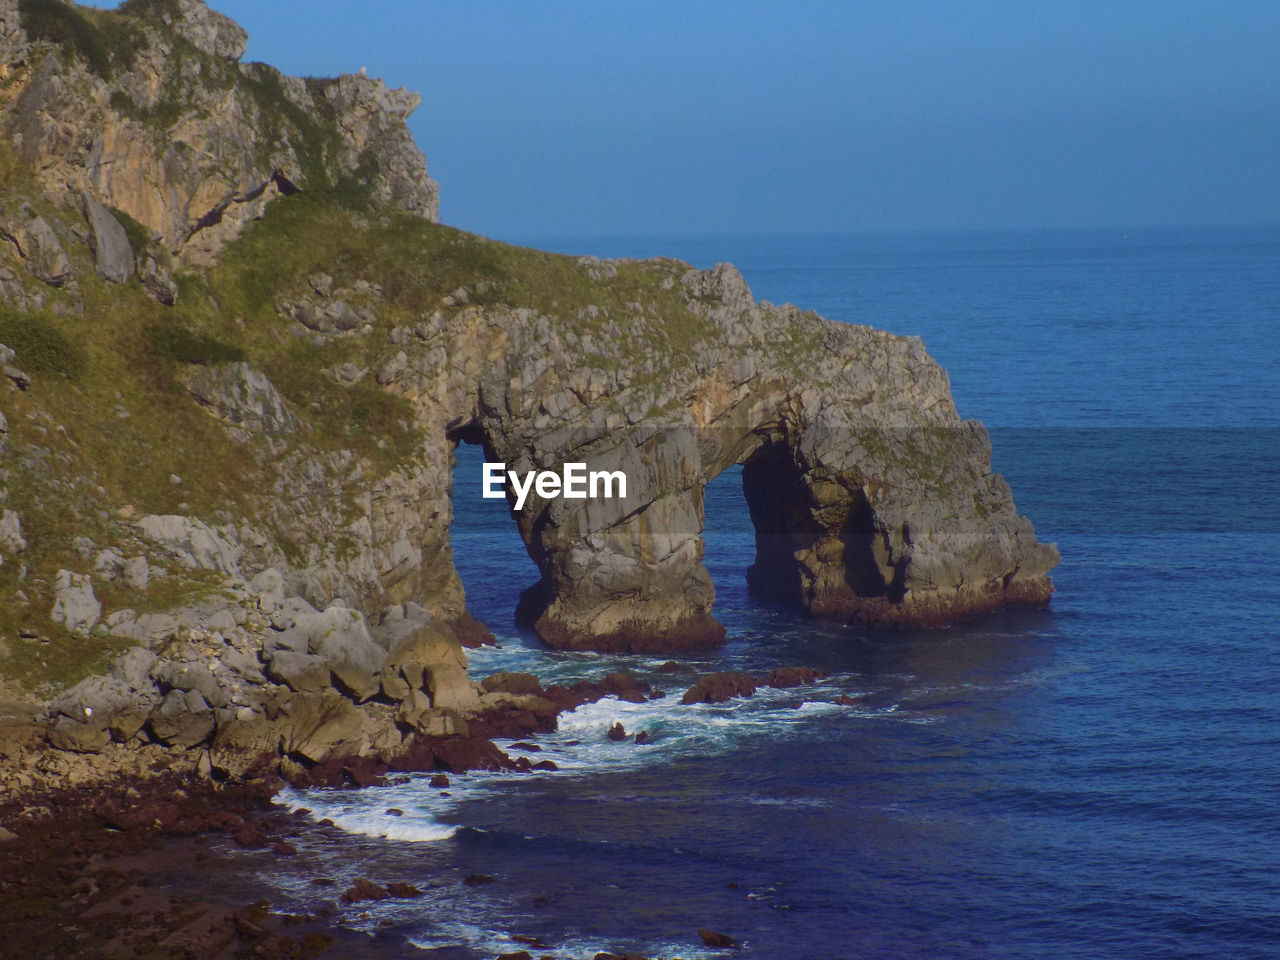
(147, 109)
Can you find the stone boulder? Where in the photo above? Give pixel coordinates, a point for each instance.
(74, 604)
(335, 635)
(355, 681)
(206, 29)
(108, 240)
(428, 656)
(325, 726)
(517, 683)
(188, 677)
(89, 736)
(300, 672)
(37, 245)
(719, 687)
(11, 541)
(183, 719)
(118, 702)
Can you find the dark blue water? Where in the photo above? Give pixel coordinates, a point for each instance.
(1101, 780)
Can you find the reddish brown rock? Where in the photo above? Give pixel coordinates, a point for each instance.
(713, 939)
(719, 687)
(624, 686)
(365, 890)
(451, 754)
(792, 677)
(403, 891)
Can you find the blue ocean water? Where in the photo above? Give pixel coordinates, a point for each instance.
(1099, 780)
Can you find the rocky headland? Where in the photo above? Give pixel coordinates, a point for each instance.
(238, 351)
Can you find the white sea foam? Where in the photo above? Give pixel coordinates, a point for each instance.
(364, 812)
(580, 747)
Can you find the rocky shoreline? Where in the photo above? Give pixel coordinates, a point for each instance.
(104, 869)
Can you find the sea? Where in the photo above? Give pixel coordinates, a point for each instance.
(1099, 780)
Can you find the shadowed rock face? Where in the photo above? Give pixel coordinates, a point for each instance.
(871, 498)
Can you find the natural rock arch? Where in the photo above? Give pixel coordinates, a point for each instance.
(883, 510)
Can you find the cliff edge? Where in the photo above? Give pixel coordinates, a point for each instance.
(149, 109)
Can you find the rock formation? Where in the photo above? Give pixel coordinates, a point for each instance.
(149, 110)
(237, 502)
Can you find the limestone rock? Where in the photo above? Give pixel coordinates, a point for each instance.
(108, 240)
(427, 654)
(325, 727)
(136, 573)
(394, 687)
(13, 40)
(187, 677)
(191, 143)
(193, 542)
(240, 746)
(37, 244)
(355, 681)
(302, 672)
(242, 396)
(517, 683)
(11, 541)
(336, 636)
(208, 30)
(74, 604)
(183, 719)
(450, 688)
(156, 281)
(108, 565)
(79, 736)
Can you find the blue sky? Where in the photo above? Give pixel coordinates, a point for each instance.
(609, 117)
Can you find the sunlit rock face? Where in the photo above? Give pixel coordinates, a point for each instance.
(157, 117)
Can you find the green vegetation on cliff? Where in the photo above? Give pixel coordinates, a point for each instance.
(109, 422)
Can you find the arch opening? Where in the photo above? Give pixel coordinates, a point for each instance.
(489, 554)
(778, 501)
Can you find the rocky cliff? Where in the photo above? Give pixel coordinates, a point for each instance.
(149, 110)
(238, 355)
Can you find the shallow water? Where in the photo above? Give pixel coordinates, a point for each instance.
(1095, 781)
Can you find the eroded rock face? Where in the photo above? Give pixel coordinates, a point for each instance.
(171, 129)
(108, 240)
(255, 678)
(871, 498)
(242, 396)
(36, 243)
(214, 33)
